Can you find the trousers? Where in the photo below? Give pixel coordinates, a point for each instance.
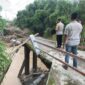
(59, 40)
(72, 49)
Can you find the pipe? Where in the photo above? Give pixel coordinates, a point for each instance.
(82, 73)
(60, 50)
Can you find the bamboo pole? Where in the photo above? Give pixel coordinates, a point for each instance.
(34, 62)
(27, 59)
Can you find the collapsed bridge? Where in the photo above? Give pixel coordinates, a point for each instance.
(53, 59)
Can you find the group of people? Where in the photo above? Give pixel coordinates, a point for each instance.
(71, 34)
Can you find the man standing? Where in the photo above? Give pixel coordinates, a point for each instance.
(59, 33)
(72, 38)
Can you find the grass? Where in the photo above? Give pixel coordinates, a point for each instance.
(4, 61)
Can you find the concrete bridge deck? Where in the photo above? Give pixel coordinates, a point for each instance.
(12, 79)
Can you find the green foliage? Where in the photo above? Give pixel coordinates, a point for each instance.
(2, 21)
(81, 10)
(4, 60)
(41, 16)
(39, 21)
(66, 7)
(47, 32)
(64, 19)
(52, 19)
(2, 25)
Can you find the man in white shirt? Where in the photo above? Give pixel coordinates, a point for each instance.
(59, 33)
(72, 38)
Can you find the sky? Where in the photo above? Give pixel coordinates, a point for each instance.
(11, 7)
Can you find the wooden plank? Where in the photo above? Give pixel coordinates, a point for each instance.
(21, 69)
(27, 59)
(34, 62)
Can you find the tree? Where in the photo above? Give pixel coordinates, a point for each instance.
(41, 15)
(39, 21)
(2, 23)
(81, 9)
